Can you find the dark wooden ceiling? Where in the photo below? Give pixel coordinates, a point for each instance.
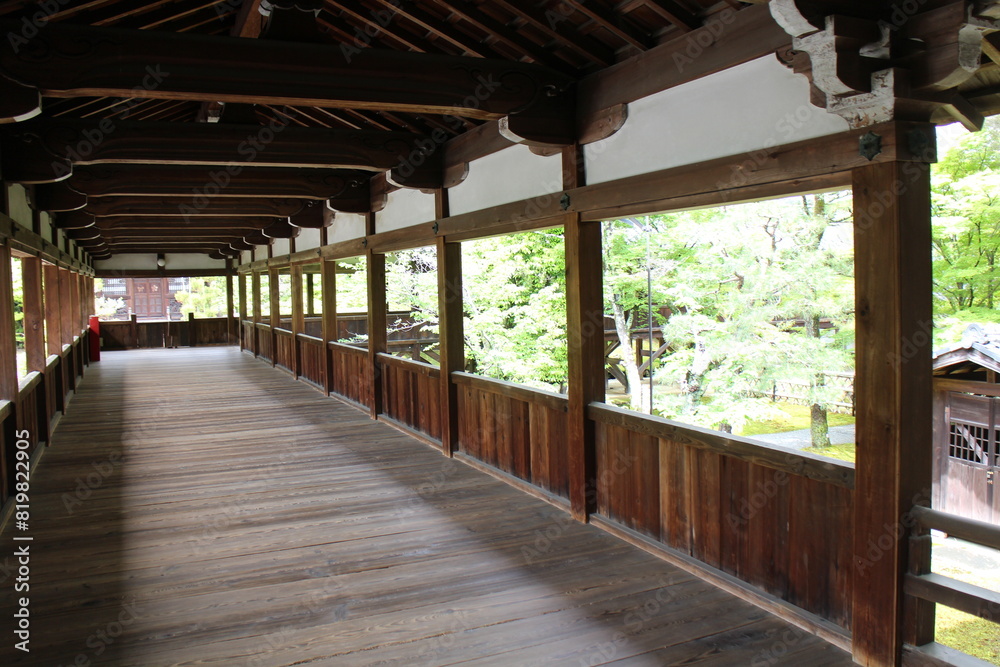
(573, 36)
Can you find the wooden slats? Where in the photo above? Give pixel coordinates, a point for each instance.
(797, 463)
(308, 534)
(784, 533)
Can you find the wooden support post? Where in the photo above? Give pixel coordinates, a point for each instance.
(452, 334)
(257, 310)
(66, 306)
(329, 296)
(585, 331)
(892, 218)
(74, 313)
(274, 297)
(34, 313)
(192, 331)
(242, 278)
(451, 327)
(231, 333)
(53, 322)
(8, 342)
(298, 318)
(310, 295)
(376, 321)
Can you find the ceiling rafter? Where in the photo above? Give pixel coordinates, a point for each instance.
(583, 45)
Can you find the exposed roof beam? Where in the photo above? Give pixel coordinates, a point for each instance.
(140, 180)
(180, 223)
(116, 63)
(192, 206)
(46, 150)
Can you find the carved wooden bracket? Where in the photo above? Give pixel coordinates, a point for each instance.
(882, 63)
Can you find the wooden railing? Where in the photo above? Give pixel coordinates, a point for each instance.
(249, 341)
(312, 359)
(520, 430)
(41, 397)
(924, 589)
(116, 335)
(284, 341)
(761, 513)
(411, 395)
(264, 344)
(351, 373)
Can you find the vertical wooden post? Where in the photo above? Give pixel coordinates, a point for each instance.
(74, 286)
(376, 322)
(274, 297)
(329, 296)
(451, 326)
(257, 310)
(34, 313)
(310, 295)
(66, 306)
(8, 341)
(242, 278)
(892, 217)
(192, 331)
(585, 331)
(298, 318)
(231, 332)
(53, 322)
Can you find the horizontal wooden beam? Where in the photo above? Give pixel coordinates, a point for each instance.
(193, 207)
(80, 61)
(159, 273)
(728, 39)
(180, 224)
(48, 150)
(971, 599)
(198, 181)
(165, 236)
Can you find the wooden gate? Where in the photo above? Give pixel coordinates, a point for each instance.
(971, 457)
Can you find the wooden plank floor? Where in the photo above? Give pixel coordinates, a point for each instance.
(198, 507)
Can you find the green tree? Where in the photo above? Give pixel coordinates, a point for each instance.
(966, 233)
(206, 297)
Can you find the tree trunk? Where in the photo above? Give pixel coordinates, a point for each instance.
(628, 355)
(819, 427)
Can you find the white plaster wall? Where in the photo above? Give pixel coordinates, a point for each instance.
(308, 239)
(510, 175)
(346, 226)
(759, 104)
(279, 247)
(20, 211)
(180, 261)
(405, 208)
(46, 226)
(245, 257)
(127, 262)
(183, 261)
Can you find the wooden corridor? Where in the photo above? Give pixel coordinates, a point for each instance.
(198, 507)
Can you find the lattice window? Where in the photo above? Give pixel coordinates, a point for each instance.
(969, 442)
(114, 287)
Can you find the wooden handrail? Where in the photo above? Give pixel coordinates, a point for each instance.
(513, 390)
(261, 325)
(956, 594)
(970, 530)
(309, 339)
(790, 461)
(29, 382)
(51, 361)
(283, 332)
(349, 349)
(6, 409)
(409, 365)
